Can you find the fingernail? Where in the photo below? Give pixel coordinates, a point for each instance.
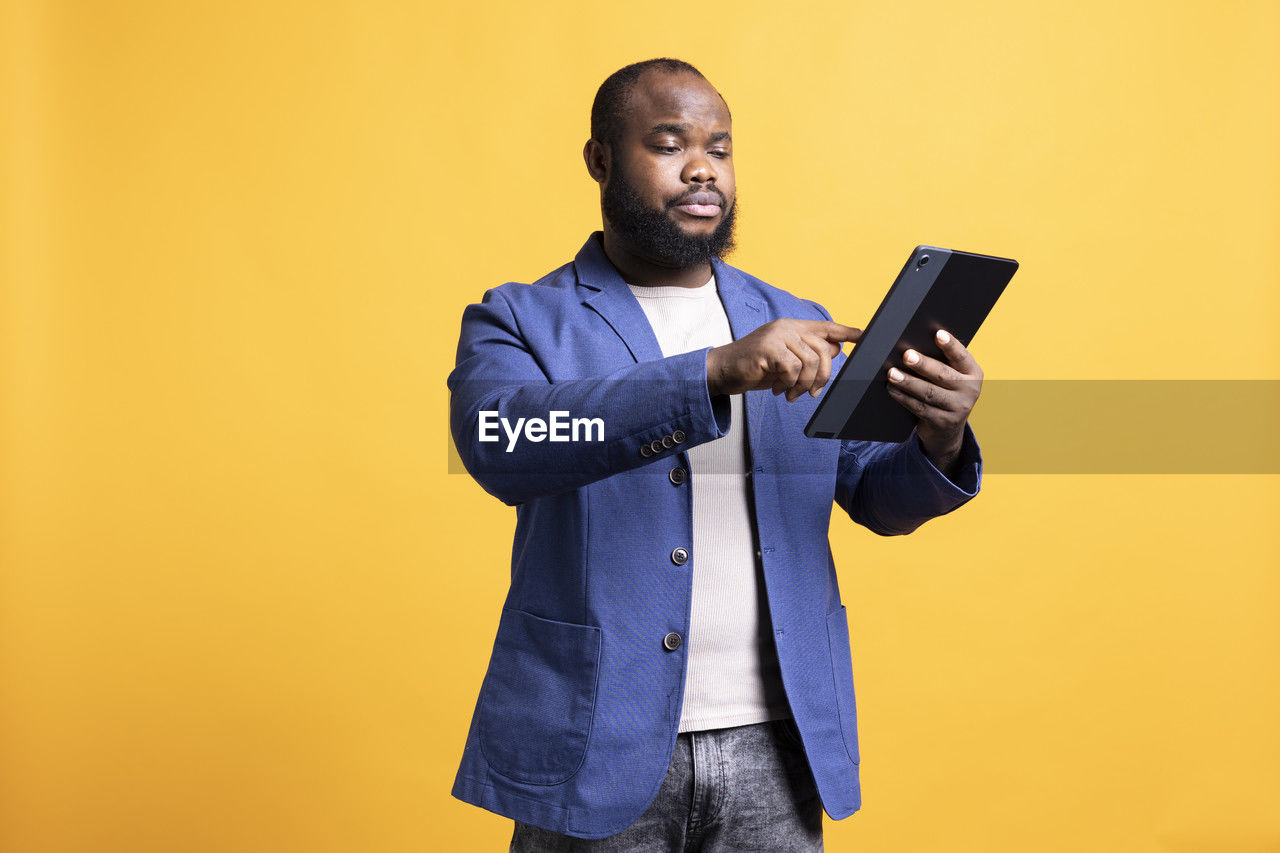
(943, 337)
(895, 374)
(911, 356)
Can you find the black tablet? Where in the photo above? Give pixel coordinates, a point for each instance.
(937, 289)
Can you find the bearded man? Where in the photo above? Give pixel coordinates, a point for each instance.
(672, 666)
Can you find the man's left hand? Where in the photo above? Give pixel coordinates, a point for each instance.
(941, 396)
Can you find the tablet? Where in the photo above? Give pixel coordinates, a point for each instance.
(937, 289)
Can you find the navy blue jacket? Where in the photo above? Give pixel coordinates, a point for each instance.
(578, 713)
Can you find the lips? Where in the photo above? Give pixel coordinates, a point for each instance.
(702, 203)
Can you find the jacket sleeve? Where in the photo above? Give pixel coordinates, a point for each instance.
(893, 488)
(498, 380)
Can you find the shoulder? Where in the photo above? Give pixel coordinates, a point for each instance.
(549, 299)
(559, 285)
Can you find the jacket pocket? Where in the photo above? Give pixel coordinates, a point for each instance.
(842, 672)
(538, 698)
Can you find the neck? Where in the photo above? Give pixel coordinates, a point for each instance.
(642, 272)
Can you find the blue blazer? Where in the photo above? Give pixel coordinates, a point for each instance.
(578, 713)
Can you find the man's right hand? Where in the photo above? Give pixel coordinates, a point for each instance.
(791, 356)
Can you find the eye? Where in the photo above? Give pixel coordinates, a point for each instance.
(668, 149)
(720, 154)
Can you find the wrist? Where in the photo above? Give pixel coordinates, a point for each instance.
(942, 453)
(714, 370)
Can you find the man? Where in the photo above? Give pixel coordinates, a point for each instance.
(672, 665)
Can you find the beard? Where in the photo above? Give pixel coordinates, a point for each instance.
(653, 233)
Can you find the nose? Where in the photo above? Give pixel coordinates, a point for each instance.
(698, 169)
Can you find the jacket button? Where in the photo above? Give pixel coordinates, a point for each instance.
(671, 642)
(668, 442)
(646, 451)
(678, 476)
(678, 436)
(656, 446)
(680, 556)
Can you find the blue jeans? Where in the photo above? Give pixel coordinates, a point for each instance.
(740, 788)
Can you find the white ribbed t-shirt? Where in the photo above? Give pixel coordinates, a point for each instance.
(732, 677)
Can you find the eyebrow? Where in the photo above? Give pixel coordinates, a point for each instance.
(681, 129)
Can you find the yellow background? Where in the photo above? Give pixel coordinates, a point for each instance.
(243, 605)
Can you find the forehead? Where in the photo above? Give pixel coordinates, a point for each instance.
(679, 98)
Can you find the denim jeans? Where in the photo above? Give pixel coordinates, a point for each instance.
(740, 788)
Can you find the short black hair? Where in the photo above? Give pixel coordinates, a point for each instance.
(611, 98)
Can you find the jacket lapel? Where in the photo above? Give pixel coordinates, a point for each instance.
(610, 297)
(747, 312)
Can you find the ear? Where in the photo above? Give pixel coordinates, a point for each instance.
(597, 157)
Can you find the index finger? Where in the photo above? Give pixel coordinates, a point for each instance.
(834, 331)
(956, 353)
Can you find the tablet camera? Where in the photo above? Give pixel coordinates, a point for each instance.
(924, 259)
